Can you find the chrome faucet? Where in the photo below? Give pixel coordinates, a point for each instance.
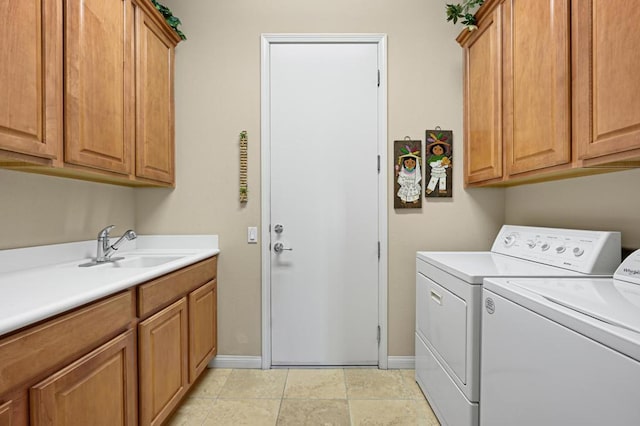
(105, 251)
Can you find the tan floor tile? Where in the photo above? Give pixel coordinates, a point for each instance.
(306, 412)
(246, 384)
(211, 383)
(409, 378)
(239, 412)
(426, 417)
(315, 384)
(192, 412)
(376, 384)
(383, 412)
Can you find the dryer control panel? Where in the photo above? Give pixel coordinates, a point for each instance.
(588, 252)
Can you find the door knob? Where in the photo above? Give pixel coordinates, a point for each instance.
(279, 247)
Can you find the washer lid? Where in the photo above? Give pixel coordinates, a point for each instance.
(611, 301)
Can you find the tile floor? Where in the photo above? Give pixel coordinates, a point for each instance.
(305, 397)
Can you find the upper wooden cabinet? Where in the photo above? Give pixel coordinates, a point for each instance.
(483, 101)
(31, 77)
(536, 84)
(566, 96)
(607, 80)
(154, 115)
(103, 70)
(98, 84)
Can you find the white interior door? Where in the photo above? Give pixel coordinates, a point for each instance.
(324, 194)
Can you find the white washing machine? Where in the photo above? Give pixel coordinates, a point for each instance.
(562, 351)
(449, 302)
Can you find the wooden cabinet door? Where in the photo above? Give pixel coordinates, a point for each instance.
(163, 367)
(6, 413)
(536, 88)
(607, 77)
(155, 106)
(98, 389)
(99, 95)
(483, 102)
(31, 77)
(202, 328)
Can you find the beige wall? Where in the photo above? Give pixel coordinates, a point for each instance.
(36, 209)
(218, 95)
(608, 202)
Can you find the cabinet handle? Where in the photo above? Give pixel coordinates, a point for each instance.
(436, 297)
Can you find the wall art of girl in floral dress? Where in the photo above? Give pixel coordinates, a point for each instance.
(408, 173)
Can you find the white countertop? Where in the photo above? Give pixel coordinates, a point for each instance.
(39, 282)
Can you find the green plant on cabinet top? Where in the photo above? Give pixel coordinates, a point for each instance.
(173, 21)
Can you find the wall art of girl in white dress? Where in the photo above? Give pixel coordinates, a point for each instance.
(408, 175)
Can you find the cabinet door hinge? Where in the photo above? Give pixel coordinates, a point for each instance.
(378, 164)
(378, 78)
(379, 334)
(378, 250)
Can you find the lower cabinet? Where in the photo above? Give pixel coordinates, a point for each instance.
(163, 362)
(128, 359)
(202, 328)
(176, 337)
(98, 389)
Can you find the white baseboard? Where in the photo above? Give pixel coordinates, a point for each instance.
(236, 361)
(401, 363)
(255, 362)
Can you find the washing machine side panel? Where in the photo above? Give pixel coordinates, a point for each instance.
(535, 371)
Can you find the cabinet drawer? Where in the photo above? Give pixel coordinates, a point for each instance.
(159, 293)
(40, 348)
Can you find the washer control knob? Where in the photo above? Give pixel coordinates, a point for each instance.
(577, 252)
(509, 240)
(561, 249)
(531, 244)
(545, 246)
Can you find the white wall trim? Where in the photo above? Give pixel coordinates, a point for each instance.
(401, 362)
(265, 134)
(236, 361)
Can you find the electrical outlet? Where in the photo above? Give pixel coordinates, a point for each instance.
(252, 234)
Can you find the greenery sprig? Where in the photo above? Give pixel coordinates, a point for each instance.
(173, 21)
(464, 11)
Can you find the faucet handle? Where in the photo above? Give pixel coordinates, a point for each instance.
(105, 232)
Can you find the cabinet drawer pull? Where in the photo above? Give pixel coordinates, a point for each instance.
(436, 297)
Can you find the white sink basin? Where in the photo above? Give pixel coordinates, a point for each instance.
(143, 261)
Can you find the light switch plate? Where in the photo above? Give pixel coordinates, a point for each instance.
(252, 234)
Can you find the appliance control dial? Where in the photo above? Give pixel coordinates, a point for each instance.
(509, 240)
(531, 244)
(545, 246)
(561, 249)
(577, 251)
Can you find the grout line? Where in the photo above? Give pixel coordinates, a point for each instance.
(286, 379)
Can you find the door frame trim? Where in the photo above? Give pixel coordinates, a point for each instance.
(265, 136)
